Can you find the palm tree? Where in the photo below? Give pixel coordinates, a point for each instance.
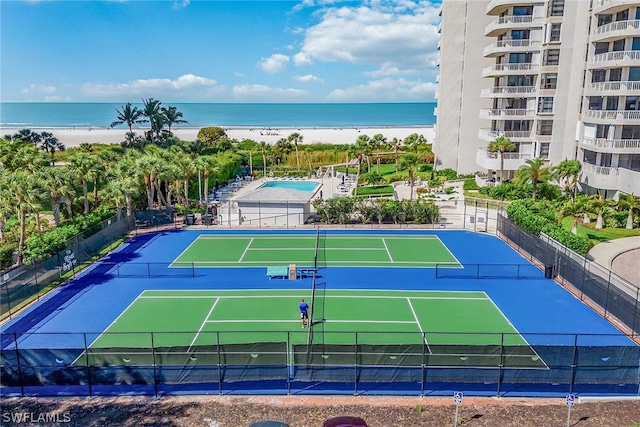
(84, 167)
(6, 201)
(126, 175)
(264, 148)
(567, 174)
(573, 208)
(50, 143)
(597, 204)
(410, 161)
(23, 187)
(153, 116)
(207, 165)
(532, 172)
(172, 116)
(632, 203)
(297, 139)
(378, 140)
(56, 181)
(129, 115)
(500, 145)
(396, 147)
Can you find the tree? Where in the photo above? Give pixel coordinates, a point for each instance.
(155, 118)
(410, 161)
(207, 165)
(567, 174)
(296, 138)
(56, 181)
(573, 208)
(172, 116)
(129, 115)
(500, 145)
(23, 187)
(632, 203)
(211, 135)
(83, 166)
(532, 172)
(597, 204)
(50, 143)
(373, 178)
(378, 141)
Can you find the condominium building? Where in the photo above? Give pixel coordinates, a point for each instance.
(561, 81)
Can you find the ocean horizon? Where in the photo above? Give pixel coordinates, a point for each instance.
(260, 115)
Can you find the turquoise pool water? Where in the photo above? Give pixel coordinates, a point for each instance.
(309, 186)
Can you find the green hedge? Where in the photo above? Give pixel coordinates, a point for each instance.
(536, 218)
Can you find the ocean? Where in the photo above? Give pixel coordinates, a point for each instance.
(101, 115)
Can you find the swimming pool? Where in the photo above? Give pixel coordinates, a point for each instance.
(309, 186)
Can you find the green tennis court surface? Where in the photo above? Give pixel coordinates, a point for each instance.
(446, 328)
(353, 250)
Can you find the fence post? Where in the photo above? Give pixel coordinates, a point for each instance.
(153, 363)
(15, 343)
(290, 362)
(355, 365)
(424, 364)
(635, 312)
(219, 364)
(573, 363)
(6, 290)
(606, 303)
(87, 365)
(501, 364)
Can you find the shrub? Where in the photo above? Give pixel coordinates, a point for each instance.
(470, 184)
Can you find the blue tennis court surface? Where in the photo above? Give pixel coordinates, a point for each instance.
(548, 321)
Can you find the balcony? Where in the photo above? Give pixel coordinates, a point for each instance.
(601, 6)
(511, 46)
(609, 178)
(510, 22)
(495, 7)
(509, 92)
(623, 58)
(603, 145)
(491, 161)
(613, 88)
(513, 135)
(507, 114)
(510, 69)
(616, 30)
(613, 117)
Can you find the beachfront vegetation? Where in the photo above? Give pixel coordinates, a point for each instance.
(349, 210)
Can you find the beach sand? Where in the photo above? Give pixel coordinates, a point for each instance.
(76, 136)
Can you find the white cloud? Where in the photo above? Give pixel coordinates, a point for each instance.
(386, 89)
(308, 78)
(58, 99)
(302, 58)
(274, 64)
(181, 4)
(149, 87)
(32, 88)
(256, 92)
(398, 37)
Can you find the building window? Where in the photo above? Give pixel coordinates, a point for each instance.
(634, 73)
(636, 43)
(554, 35)
(520, 35)
(522, 10)
(604, 20)
(612, 103)
(615, 75)
(545, 127)
(598, 76)
(632, 103)
(551, 57)
(595, 103)
(544, 150)
(520, 81)
(631, 132)
(555, 8)
(519, 58)
(601, 47)
(623, 15)
(549, 81)
(545, 104)
(618, 45)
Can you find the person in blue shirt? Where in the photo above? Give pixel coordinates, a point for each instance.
(304, 313)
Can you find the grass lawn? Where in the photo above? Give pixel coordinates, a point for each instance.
(597, 236)
(375, 190)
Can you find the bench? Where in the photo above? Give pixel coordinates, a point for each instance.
(278, 272)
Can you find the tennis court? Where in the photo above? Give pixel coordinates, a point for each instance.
(334, 250)
(464, 328)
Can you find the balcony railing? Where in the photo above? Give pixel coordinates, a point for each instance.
(614, 86)
(617, 26)
(509, 90)
(509, 20)
(611, 144)
(495, 113)
(510, 44)
(612, 114)
(511, 134)
(622, 55)
(502, 69)
(600, 170)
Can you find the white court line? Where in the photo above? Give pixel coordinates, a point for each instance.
(450, 253)
(203, 323)
(517, 331)
(415, 316)
(295, 296)
(408, 322)
(185, 250)
(246, 249)
(387, 249)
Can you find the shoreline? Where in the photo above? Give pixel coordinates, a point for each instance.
(73, 137)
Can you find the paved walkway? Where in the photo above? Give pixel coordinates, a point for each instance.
(622, 256)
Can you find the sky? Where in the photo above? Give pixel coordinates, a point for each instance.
(218, 51)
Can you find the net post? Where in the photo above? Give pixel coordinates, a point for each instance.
(355, 364)
(86, 358)
(153, 362)
(193, 269)
(149, 270)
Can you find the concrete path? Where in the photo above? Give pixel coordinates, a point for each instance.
(622, 256)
